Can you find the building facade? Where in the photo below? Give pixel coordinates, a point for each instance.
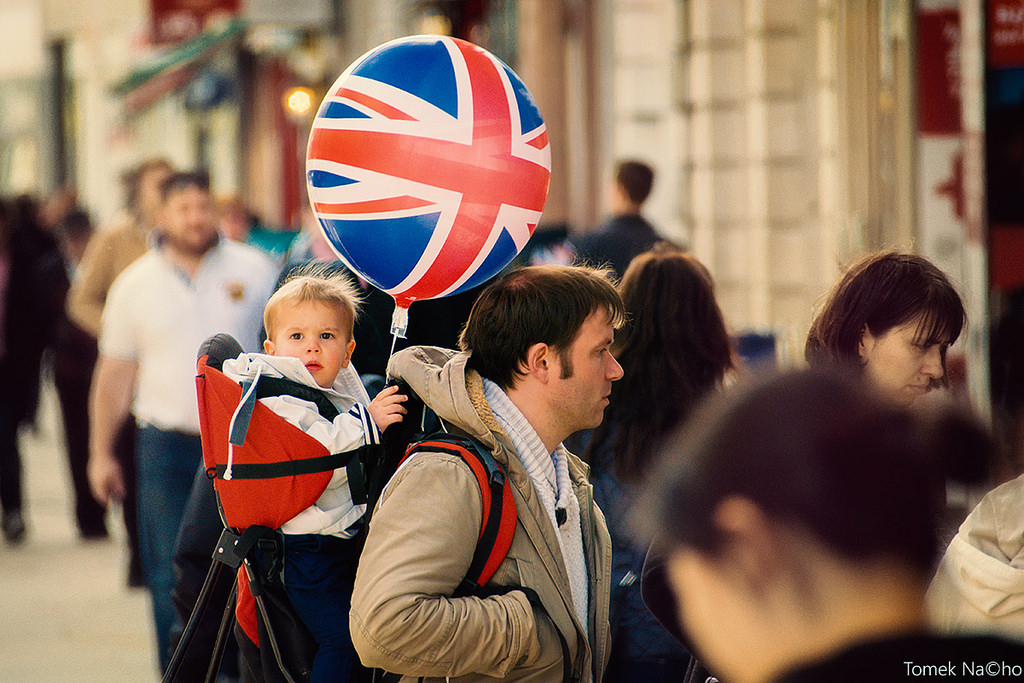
(788, 136)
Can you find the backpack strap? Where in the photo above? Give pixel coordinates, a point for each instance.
(279, 386)
(351, 460)
(262, 386)
(498, 525)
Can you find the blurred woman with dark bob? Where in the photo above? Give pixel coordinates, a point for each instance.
(894, 315)
(674, 349)
(796, 521)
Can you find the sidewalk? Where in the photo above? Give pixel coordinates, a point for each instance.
(65, 611)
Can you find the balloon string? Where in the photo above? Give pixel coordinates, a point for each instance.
(399, 324)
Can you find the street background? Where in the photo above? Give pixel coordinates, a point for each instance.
(66, 613)
(789, 137)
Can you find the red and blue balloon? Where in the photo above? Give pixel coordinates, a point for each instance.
(428, 167)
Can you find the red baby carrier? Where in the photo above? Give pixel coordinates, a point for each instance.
(265, 471)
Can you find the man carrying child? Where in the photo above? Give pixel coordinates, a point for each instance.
(535, 367)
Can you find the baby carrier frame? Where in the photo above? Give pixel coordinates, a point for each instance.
(265, 471)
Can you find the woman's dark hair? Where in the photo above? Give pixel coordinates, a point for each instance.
(674, 349)
(880, 292)
(818, 449)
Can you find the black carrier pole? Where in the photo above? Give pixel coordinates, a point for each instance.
(230, 551)
(202, 602)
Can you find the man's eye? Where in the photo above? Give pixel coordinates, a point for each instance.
(326, 335)
(296, 336)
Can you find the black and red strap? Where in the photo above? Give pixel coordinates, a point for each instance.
(498, 524)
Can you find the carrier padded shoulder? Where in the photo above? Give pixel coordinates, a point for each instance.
(219, 348)
(279, 386)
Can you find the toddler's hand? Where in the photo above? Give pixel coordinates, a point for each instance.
(386, 407)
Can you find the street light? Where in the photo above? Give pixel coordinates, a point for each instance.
(298, 102)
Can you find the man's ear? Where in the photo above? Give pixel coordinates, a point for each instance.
(538, 361)
(268, 347)
(750, 544)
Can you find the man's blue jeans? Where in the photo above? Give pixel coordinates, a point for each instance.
(167, 463)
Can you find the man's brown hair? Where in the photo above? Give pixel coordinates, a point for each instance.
(535, 304)
(636, 179)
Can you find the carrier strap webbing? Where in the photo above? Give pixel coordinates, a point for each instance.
(350, 460)
(279, 386)
(263, 386)
(498, 525)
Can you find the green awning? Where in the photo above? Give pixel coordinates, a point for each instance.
(173, 68)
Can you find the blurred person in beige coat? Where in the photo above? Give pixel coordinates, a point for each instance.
(535, 367)
(109, 252)
(112, 250)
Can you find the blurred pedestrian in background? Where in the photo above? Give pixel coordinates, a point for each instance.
(234, 220)
(627, 233)
(28, 258)
(110, 252)
(237, 222)
(674, 349)
(73, 355)
(893, 315)
(798, 521)
(190, 285)
(114, 248)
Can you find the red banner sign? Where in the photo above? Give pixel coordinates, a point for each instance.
(1005, 32)
(938, 72)
(175, 21)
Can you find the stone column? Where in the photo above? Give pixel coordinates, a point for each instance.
(542, 68)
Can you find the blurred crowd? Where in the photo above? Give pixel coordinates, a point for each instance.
(764, 524)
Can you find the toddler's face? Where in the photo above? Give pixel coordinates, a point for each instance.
(316, 334)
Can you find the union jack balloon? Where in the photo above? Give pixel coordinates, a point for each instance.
(428, 167)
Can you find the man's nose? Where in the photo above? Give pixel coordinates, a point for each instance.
(614, 369)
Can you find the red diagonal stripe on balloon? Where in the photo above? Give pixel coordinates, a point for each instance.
(539, 142)
(382, 108)
(485, 171)
(374, 205)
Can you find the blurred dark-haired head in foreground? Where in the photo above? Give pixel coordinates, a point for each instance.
(796, 520)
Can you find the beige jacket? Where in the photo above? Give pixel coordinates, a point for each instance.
(979, 585)
(108, 253)
(421, 540)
